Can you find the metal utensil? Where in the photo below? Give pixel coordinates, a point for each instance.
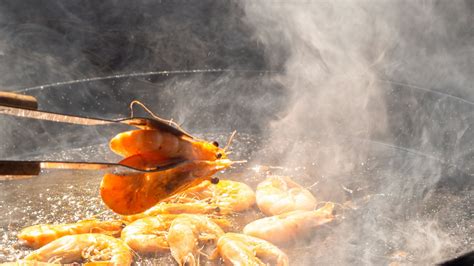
(25, 106)
(11, 170)
(140, 122)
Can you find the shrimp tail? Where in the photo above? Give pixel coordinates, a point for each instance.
(188, 260)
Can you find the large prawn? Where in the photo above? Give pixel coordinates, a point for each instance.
(90, 249)
(142, 147)
(134, 193)
(145, 149)
(155, 146)
(39, 235)
(290, 226)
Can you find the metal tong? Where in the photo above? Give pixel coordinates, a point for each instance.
(26, 106)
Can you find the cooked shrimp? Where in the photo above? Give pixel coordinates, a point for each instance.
(227, 195)
(196, 207)
(282, 228)
(185, 233)
(93, 248)
(148, 148)
(135, 193)
(205, 198)
(39, 235)
(169, 141)
(280, 194)
(183, 202)
(149, 234)
(240, 249)
(159, 146)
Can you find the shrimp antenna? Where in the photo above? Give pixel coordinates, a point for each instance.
(230, 140)
(146, 110)
(170, 122)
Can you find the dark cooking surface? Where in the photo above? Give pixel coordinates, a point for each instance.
(70, 196)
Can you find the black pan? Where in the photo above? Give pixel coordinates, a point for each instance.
(433, 224)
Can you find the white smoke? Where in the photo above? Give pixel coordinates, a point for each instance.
(346, 120)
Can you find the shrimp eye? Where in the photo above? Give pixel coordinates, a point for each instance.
(215, 143)
(219, 155)
(215, 180)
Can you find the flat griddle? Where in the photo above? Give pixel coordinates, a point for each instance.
(380, 226)
(67, 196)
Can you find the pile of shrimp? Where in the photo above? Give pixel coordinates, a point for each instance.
(193, 224)
(184, 211)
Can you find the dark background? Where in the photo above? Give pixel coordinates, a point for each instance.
(90, 38)
(44, 42)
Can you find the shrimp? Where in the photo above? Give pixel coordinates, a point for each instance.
(227, 195)
(282, 228)
(134, 193)
(142, 146)
(147, 148)
(186, 231)
(196, 207)
(206, 198)
(280, 194)
(39, 235)
(168, 141)
(95, 249)
(240, 249)
(150, 234)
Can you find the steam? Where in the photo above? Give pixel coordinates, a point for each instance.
(340, 61)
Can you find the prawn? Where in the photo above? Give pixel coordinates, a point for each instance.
(90, 249)
(155, 146)
(197, 207)
(279, 194)
(147, 148)
(205, 198)
(150, 234)
(227, 195)
(282, 228)
(39, 235)
(186, 231)
(240, 249)
(143, 146)
(134, 193)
